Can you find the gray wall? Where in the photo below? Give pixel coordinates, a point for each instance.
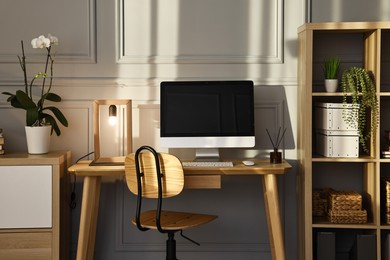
(124, 49)
(348, 10)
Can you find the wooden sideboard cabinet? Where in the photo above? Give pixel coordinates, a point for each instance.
(34, 203)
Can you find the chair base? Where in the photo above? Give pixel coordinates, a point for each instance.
(171, 247)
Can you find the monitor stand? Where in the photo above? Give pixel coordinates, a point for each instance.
(207, 155)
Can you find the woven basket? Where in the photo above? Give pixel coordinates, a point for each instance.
(347, 216)
(344, 200)
(320, 203)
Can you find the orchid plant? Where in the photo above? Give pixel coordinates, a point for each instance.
(36, 111)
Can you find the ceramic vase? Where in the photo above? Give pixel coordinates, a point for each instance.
(331, 85)
(38, 139)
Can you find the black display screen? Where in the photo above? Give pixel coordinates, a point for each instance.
(207, 108)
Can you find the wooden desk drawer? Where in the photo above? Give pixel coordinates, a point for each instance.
(202, 182)
(26, 246)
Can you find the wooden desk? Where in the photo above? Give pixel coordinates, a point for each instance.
(195, 177)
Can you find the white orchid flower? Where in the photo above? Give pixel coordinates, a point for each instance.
(53, 39)
(40, 42)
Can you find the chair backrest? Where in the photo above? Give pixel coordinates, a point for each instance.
(171, 170)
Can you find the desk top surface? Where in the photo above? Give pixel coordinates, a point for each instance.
(261, 167)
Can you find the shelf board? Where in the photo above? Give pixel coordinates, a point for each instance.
(319, 158)
(385, 226)
(344, 26)
(346, 226)
(327, 94)
(321, 222)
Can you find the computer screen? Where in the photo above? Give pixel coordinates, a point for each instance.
(207, 115)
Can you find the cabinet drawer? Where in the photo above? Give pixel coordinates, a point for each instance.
(26, 246)
(202, 182)
(26, 196)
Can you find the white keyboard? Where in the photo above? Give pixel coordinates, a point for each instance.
(207, 164)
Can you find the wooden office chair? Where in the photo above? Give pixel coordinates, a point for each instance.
(160, 175)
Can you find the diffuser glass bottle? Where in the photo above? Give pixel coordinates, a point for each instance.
(276, 156)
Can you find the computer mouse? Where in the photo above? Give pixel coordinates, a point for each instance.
(248, 163)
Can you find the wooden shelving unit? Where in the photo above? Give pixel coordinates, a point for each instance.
(360, 44)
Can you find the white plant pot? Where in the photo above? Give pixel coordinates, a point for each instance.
(331, 85)
(38, 139)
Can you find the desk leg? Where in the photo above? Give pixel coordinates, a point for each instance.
(88, 218)
(271, 199)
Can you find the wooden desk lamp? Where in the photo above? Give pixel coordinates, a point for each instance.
(127, 119)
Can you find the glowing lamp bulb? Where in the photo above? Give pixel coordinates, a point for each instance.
(112, 118)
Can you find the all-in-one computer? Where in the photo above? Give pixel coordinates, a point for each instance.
(207, 115)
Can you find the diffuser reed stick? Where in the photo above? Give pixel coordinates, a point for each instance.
(278, 138)
(276, 156)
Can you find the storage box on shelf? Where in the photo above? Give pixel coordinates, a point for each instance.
(344, 200)
(320, 203)
(330, 116)
(334, 136)
(341, 207)
(347, 216)
(337, 143)
(345, 207)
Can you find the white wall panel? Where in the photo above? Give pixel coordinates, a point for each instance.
(349, 10)
(203, 31)
(72, 21)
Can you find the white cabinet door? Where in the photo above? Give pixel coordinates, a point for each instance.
(26, 196)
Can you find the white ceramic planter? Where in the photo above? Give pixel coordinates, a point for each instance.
(38, 139)
(331, 85)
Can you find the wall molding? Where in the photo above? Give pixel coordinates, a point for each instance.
(273, 56)
(87, 57)
(110, 82)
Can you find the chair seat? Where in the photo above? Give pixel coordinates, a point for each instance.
(172, 220)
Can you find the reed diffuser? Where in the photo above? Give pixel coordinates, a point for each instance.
(276, 156)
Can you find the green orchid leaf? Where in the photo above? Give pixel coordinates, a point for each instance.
(25, 100)
(52, 97)
(49, 96)
(32, 116)
(14, 102)
(59, 115)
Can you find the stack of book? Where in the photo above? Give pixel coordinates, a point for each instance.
(386, 150)
(1, 142)
(385, 154)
